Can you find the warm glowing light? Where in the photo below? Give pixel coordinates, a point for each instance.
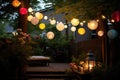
(29, 17)
(45, 17)
(39, 15)
(81, 31)
(60, 26)
(52, 21)
(73, 28)
(50, 35)
(100, 33)
(16, 3)
(92, 25)
(42, 26)
(34, 21)
(30, 9)
(75, 22)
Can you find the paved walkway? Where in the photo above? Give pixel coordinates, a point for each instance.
(51, 67)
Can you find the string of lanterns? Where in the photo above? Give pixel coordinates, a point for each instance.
(34, 18)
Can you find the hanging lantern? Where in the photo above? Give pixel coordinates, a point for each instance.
(92, 25)
(42, 26)
(60, 26)
(50, 35)
(16, 3)
(39, 15)
(29, 17)
(112, 34)
(34, 21)
(65, 26)
(75, 22)
(45, 17)
(116, 16)
(30, 9)
(90, 62)
(52, 21)
(23, 11)
(100, 33)
(73, 28)
(81, 31)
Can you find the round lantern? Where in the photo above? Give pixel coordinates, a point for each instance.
(112, 34)
(73, 28)
(92, 25)
(116, 16)
(52, 21)
(81, 31)
(42, 26)
(100, 33)
(45, 17)
(30, 9)
(34, 21)
(16, 3)
(29, 17)
(23, 11)
(50, 35)
(75, 22)
(39, 15)
(60, 26)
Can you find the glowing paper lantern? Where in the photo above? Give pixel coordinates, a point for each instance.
(45, 17)
(50, 35)
(92, 25)
(16, 3)
(23, 11)
(42, 26)
(39, 15)
(52, 21)
(75, 22)
(100, 33)
(116, 16)
(81, 31)
(112, 33)
(65, 26)
(34, 21)
(30, 9)
(29, 17)
(73, 28)
(60, 26)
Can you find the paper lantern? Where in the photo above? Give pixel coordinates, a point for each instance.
(81, 31)
(50, 35)
(39, 15)
(75, 22)
(29, 17)
(16, 3)
(34, 21)
(23, 11)
(60, 26)
(92, 25)
(52, 21)
(100, 33)
(116, 16)
(73, 28)
(30, 9)
(42, 26)
(45, 17)
(112, 34)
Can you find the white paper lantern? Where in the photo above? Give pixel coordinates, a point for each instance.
(29, 17)
(45, 17)
(73, 28)
(112, 34)
(92, 25)
(100, 33)
(52, 21)
(39, 15)
(60, 26)
(30, 9)
(75, 22)
(50, 35)
(34, 21)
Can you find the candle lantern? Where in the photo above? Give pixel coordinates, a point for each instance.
(90, 62)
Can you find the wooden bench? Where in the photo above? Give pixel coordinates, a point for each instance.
(39, 60)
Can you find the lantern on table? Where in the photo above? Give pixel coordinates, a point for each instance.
(90, 62)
